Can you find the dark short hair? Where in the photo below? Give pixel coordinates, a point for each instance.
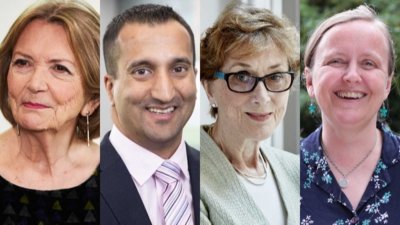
(143, 14)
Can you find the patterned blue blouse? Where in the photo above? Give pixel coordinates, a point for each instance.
(323, 202)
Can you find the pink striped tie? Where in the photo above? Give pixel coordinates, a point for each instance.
(177, 210)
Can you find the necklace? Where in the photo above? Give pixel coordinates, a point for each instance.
(256, 180)
(344, 182)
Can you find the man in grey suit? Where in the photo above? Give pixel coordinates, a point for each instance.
(148, 174)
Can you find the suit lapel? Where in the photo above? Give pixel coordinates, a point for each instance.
(194, 170)
(118, 188)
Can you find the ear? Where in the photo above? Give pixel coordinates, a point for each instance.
(207, 87)
(388, 86)
(90, 107)
(109, 85)
(309, 82)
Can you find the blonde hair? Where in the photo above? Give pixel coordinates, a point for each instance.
(82, 26)
(246, 30)
(362, 12)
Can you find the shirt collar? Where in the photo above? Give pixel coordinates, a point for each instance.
(142, 163)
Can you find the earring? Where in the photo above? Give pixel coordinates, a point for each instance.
(312, 108)
(213, 105)
(18, 131)
(87, 129)
(383, 112)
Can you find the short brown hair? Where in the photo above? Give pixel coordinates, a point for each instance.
(82, 26)
(248, 30)
(363, 12)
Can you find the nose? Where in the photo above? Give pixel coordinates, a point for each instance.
(260, 94)
(163, 88)
(37, 81)
(352, 74)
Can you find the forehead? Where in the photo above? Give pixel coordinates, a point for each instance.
(358, 34)
(152, 40)
(270, 56)
(38, 35)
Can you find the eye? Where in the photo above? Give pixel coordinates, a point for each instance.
(61, 69)
(141, 72)
(276, 77)
(369, 64)
(335, 61)
(21, 63)
(242, 76)
(180, 69)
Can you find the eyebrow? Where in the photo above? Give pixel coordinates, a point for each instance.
(139, 63)
(271, 67)
(51, 61)
(152, 65)
(182, 60)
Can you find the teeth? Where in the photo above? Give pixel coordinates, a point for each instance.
(353, 95)
(162, 111)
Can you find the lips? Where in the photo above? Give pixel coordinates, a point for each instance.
(351, 95)
(259, 116)
(34, 105)
(161, 110)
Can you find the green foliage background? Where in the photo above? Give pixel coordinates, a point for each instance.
(312, 12)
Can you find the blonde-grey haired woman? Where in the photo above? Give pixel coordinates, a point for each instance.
(49, 80)
(249, 59)
(350, 164)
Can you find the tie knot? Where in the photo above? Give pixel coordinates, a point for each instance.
(168, 172)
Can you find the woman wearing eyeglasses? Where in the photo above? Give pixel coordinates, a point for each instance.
(249, 59)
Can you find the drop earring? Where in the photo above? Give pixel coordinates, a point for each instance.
(312, 108)
(87, 129)
(383, 112)
(18, 131)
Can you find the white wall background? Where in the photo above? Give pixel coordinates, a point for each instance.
(287, 134)
(9, 12)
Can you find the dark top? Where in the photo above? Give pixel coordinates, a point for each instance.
(78, 205)
(323, 202)
(120, 202)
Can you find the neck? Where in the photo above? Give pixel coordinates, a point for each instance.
(45, 148)
(242, 152)
(348, 145)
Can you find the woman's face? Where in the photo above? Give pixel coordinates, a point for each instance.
(44, 82)
(253, 115)
(350, 79)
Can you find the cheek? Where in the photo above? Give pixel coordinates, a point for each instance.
(15, 86)
(128, 92)
(280, 102)
(187, 88)
(70, 98)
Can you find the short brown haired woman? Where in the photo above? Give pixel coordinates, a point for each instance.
(249, 59)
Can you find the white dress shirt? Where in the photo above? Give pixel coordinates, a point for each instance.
(142, 164)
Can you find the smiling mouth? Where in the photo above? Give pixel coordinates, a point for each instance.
(162, 111)
(34, 105)
(259, 116)
(351, 95)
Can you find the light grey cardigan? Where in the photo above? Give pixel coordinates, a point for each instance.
(224, 199)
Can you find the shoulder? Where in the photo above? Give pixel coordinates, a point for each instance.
(280, 155)
(283, 163)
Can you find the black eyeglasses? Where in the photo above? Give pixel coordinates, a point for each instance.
(244, 82)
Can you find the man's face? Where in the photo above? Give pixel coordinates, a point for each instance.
(154, 92)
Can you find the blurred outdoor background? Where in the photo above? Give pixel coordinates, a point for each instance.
(312, 12)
